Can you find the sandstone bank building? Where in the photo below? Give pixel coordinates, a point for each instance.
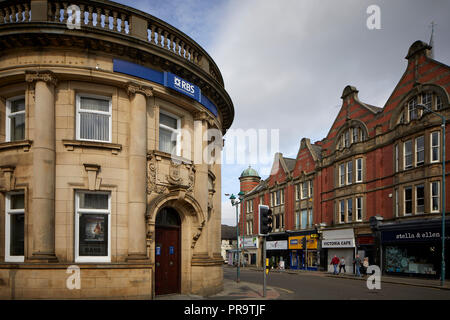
(91, 118)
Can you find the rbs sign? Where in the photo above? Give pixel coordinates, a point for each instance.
(181, 85)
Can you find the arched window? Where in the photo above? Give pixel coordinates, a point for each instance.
(411, 112)
(168, 216)
(352, 134)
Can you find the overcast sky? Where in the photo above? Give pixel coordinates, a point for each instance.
(285, 63)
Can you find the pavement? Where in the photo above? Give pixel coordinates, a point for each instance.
(251, 291)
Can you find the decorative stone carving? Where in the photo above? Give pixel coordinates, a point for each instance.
(152, 185)
(94, 180)
(133, 88)
(197, 234)
(9, 182)
(44, 75)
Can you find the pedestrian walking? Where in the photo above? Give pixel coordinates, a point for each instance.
(365, 264)
(342, 265)
(357, 263)
(335, 263)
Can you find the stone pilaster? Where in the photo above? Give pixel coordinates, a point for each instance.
(44, 160)
(137, 171)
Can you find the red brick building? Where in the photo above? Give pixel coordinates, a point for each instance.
(373, 185)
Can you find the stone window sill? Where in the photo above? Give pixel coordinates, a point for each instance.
(71, 144)
(24, 144)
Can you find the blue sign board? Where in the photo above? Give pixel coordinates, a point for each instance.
(175, 82)
(166, 79)
(171, 250)
(158, 250)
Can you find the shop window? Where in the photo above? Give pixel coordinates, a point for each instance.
(92, 227)
(408, 200)
(420, 198)
(93, 118)
(415, 259)
(435, 143)
(15, 119)
(169, 133)
(435, 196)
(15, 227)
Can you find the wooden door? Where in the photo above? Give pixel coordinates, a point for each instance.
(167, 259)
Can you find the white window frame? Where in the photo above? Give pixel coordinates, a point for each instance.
(311, 188)
(282, 196)
(404, 200)
(304, 196)
(78, 210)
(79, 111)
(404, 155)
(341, 210)
(434, 196)
(397, 204)
(8, 116)
(176, 131)
(417, 199)
(297, 192)
(310, 217)
(342, 174)
(396, 159)
(359, 209)
(8, 213)
(421, 150)
(349, 173)
(359, 169)
(438, 146)
(347, 216)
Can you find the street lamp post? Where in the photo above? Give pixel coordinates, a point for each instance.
(422, 106)
(235, 203)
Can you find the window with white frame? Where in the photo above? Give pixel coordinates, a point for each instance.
(304, 219)
(297, 192)
(297, 220)
(359, 208)
(342, 174)
(359, 170)
(408, 154)
(15, 119)
(435, 196)
(305, 190)
(420, 151)
(94, 116)
(342, 211)
(15, 227)
(435, 143)
(169, 133)
(310, 217)
(282, 196)
(420, 198)
(396, 157)
(277, 197)
(349, 172)
(311, 188)
(412, 109)
(350, 210)
(408, 200)
(92, 226)
(397, 203)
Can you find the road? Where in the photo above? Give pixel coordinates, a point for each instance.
(320, 287)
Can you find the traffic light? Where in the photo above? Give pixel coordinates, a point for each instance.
(265, 220)
(304, 243)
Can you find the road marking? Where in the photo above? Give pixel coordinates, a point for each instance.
(288, 291)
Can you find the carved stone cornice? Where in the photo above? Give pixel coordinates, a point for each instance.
(133, 88)
(47, 76)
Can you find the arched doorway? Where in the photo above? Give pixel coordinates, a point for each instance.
(167, 251)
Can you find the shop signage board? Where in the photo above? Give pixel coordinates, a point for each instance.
(296, 242)
(248, 242)
(424, 235)
(339, 243)
(277, 245)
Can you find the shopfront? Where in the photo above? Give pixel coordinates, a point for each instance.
(413, 248)
(276, 252)
(301, 257)
(339, 242)
(365, 247)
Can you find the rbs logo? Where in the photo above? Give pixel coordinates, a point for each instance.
(184, 85)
